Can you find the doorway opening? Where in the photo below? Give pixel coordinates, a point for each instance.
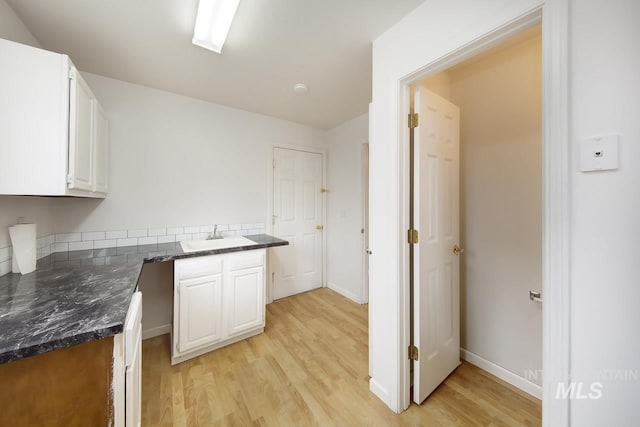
(475, 215)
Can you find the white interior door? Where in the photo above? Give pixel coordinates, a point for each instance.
(436, 290)
(297, 218)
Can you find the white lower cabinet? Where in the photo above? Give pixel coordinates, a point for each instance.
(245, 300)
(218, 300)
(200, 312)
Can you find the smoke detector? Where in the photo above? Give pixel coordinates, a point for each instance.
(300, 89)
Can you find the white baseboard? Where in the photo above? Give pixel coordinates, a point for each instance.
(505, 375)
(155, 332)
(345, 293)
(382, 393)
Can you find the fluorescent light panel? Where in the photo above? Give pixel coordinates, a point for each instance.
(213, 22)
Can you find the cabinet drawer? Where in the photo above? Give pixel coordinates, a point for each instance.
(244, 260)
(199, 266)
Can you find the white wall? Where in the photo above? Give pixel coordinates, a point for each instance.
(500, 100)
(180, 161)
(440, 84)
(12, 28)
(605, 237)
(344, 207)
(431, 31)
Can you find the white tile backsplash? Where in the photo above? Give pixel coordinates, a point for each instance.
(233, 227)
(175, 230)
(148, 240)
(183, 237)
(80, 246)
(93, 235)
(157, 231)
(5, 267)
(45, 251)
(120, 234)
(5, 254)
(191, 230)
(167, 239)
(101, 244)
(200, 236)
(68, 237)
(140, 232)
(130, 241)
(60, 247)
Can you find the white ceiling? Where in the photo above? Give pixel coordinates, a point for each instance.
(272, 45)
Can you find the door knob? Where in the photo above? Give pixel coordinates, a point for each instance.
(457, 250)
(319, 227)
(368, 252)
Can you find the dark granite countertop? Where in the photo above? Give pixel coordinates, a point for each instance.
(80, 296)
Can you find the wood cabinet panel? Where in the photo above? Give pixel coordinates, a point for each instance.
(68, 387)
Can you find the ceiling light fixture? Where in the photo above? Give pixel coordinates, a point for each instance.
(213, 22)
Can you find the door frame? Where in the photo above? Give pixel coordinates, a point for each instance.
(269, 219)
(554, 16)
(364, 197)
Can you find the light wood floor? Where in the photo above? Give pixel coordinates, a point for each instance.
(310, 368)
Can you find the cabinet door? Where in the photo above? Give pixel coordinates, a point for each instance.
(81, 122)
(133, 362)
(245, 299)
(133, 386)
(200, 312)
(101, 157)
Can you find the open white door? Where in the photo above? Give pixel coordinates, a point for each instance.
(436, 290)
(297, 218)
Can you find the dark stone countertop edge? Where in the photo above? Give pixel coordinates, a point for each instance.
(60, 343)
(165, 258)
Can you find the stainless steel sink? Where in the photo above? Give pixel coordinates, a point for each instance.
(208, 245)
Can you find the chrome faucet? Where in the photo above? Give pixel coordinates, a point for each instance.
(215, 235)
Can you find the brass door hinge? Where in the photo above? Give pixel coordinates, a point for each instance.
(413, 353)
(413, 120)
(413, 237)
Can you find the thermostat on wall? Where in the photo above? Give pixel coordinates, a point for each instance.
(599, 153)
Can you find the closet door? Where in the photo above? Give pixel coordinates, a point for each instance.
(436, 278)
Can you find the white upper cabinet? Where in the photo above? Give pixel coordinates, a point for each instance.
(54, 133)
